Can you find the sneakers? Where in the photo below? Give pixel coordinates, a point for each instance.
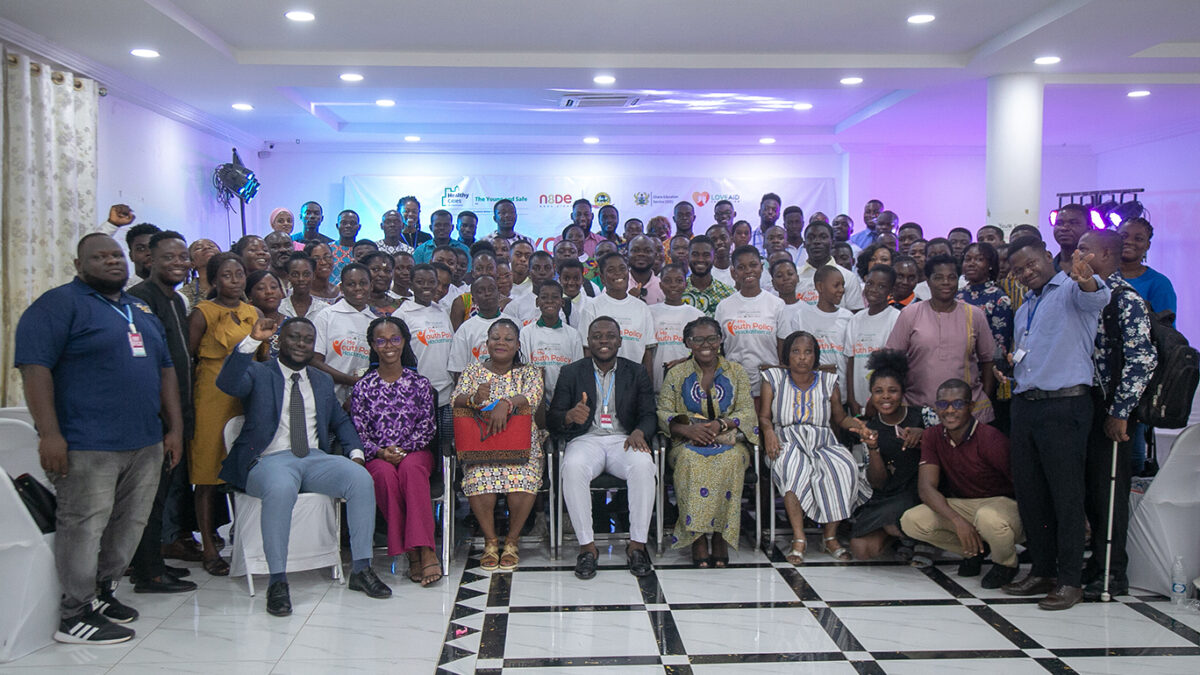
(112, 609)
(91, 628)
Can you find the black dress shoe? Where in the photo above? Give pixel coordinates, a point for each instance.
(971, 567)
(1030, 585)
(585, 565)
(368, 582)
(1063, 597)
(163, 584)
(279, 601)
(178, 572)
(1116, 586)
(639, 562)
(998, 576)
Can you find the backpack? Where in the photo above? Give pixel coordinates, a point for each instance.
(1166, 403)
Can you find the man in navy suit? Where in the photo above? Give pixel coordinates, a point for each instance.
(283, 449)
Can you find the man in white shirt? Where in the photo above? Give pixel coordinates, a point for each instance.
(341, 349)
(818, 242)
(523, 307)
(548, 342)
(635, 319)
(470, 341)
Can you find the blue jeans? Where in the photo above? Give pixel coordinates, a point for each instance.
(277, 479)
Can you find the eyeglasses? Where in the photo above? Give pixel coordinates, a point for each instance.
(395, 341)
(701, 340)
(957, 404)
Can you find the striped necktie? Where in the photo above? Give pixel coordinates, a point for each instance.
(297, 419)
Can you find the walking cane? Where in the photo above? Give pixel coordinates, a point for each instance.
(1112, 496)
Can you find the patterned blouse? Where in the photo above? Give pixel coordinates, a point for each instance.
(1138, 356)
(398, 413)
(706, 300)
(996, 306)
(682, 395)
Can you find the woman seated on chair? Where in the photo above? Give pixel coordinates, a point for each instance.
(893, 456)
(392, 410)
(705, 402)
(497, 388)
(816, 473)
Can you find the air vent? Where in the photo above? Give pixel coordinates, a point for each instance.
(572, 101)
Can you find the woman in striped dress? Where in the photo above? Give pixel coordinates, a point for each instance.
(816, 474)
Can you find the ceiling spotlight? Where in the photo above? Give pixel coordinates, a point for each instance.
(604, 79)
(852, 80)
(302, 16)
(1138, 93)
(1124, 211)
(591, 140)
(766, 140)
(1047, 60)
(144, 53)
(802, 106)
(385, 103)
(351, 77)
(412, 139)
(921, 18)
(245, 107)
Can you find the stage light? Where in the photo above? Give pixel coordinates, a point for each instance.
(1047, 60)
(802, 106)
(918, 19)
(144, 53)
(234, 178)
(300, 16)
(1124, 211)
(851, 80)
(351, 77)
(1099, 214)
(604, 79)
(244, 107)
(1138, 93)
(1053, 217)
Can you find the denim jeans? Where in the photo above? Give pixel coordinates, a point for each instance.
(104, 501)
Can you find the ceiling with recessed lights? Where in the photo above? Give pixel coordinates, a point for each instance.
(546, 74)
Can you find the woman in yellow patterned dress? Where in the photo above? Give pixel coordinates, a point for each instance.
(504, 381)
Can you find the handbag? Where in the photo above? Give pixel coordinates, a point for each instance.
(474, 444)
(40, 501)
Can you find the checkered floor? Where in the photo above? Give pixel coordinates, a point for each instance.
(764, 615)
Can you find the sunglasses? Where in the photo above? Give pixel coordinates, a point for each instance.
(957, 404)
(395, 341)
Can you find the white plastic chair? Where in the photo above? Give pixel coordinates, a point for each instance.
(316, 536)
(19, 450)
(17, 413)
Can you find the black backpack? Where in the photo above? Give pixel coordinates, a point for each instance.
(1166, 402)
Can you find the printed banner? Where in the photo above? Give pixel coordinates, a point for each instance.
(544, 202)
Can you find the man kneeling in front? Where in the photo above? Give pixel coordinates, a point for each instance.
(966, 487)
(283, 449)
(604, 406)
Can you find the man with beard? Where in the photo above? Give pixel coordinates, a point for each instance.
(768, 213)
(643, 282)
(137, 239)
(818, 242)
(504, 213)
(610, 218)
(441, 223)
(391, 224)
(312, 215)
(281, 247)
(581, 216)
(703, 291)
(102, 446)
(1072, 221)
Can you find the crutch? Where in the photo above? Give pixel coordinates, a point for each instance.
(1112, 497)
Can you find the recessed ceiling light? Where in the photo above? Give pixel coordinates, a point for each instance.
(412, 139)
(604, 79)
(852, 80)
(1047, 60)
(921, 18)
(802, 106)
(243, 106)
(385, 103)
(1138, 93)
(300, 15)
(766, 140)
(351, 77)
(144, 53)
(591, 140)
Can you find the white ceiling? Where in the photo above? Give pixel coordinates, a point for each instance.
(488, 73)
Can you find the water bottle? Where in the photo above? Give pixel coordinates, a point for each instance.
(1179, 582)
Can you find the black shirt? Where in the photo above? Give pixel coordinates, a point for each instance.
(901, 464)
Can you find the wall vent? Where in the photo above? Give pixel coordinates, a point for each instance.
(572, 101)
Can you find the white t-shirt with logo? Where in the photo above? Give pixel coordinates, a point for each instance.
(577, 304)
(830, 330)
(866, 334)
(807, 289)
(723, 275)
(432, 335)
(550, 349)
(634, 317)
(669, 321)
(751, 327)
(342, 340)
(470, 342)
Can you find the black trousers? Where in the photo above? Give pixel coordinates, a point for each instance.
(147, 560)
(1049, 456)
(1098, 474)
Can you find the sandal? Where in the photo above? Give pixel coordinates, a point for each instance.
(796, 555)
(414, 569)
(840, 554)
(490, 560)
(700, 562)
(216, 566)
(922, 556)
(510, 559)
(430, 579)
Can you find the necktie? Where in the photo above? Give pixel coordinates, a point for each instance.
(297, 420)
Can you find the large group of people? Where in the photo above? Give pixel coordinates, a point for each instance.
(974, 376)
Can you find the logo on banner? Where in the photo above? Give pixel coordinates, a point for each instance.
(654, 198)
(555, 200)
(732, 198)
(700, 198)
(602, 199)
(641, 198)
(515, 199)
(452, 197)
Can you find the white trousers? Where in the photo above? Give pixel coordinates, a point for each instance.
(590, 455)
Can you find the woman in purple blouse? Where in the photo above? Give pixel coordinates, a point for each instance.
(392, 409)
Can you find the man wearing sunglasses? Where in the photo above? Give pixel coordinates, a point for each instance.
(966, 488)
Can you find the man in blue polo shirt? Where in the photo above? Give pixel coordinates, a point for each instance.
(101, 387)
(1052, 415)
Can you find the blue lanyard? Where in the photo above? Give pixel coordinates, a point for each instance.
(1033, 306)
(607, 394)
(126, 312)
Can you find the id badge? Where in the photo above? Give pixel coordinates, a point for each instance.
(1018, 355)
(136, 345)
(606, 421)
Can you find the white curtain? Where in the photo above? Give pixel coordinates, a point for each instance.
(48, 190)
